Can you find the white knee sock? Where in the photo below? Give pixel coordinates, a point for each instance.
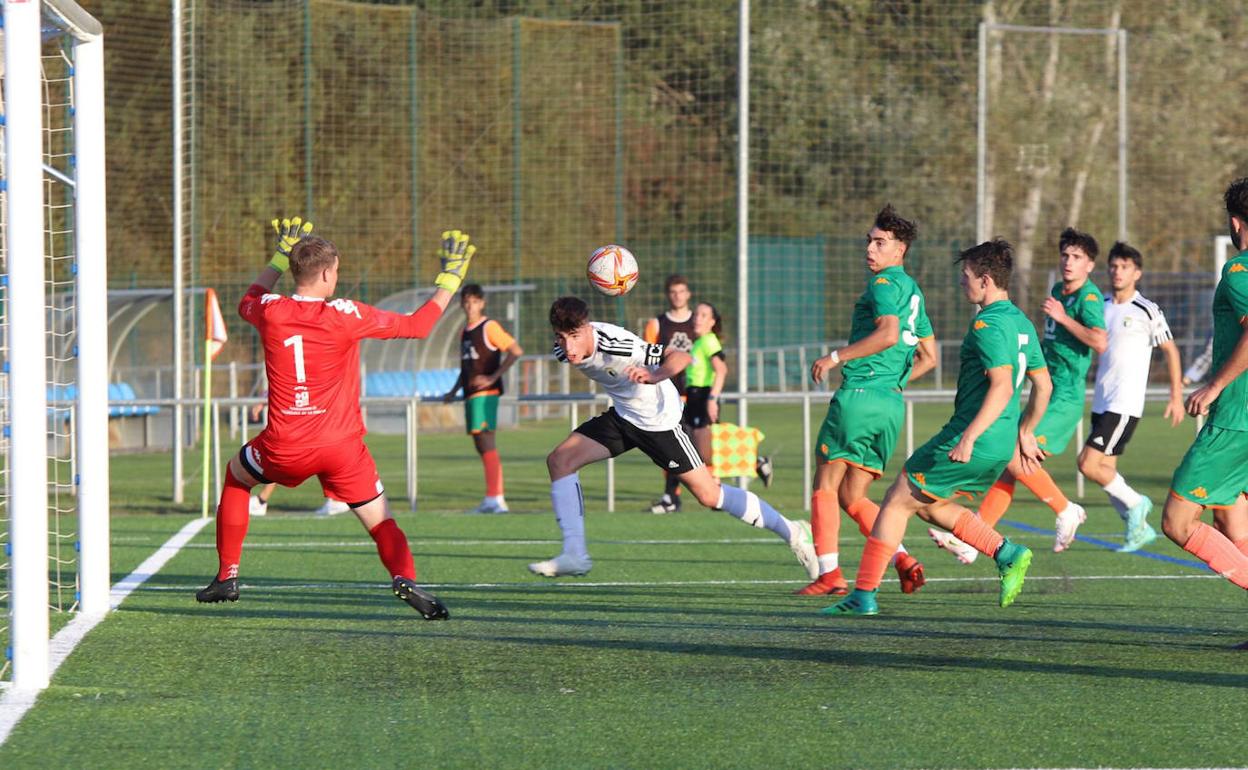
(753, 510)
(569, 505)
(1121, 495)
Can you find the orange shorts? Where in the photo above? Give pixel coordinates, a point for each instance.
(346, 470)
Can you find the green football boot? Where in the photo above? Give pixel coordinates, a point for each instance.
(1012, 563)
(1139, 533)
(858, 602)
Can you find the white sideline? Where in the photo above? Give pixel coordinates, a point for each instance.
(14, 704)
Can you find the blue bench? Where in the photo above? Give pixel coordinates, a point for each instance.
(117, 391)
(431, 383)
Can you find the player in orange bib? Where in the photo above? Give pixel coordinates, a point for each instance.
(312, 360)
(486, 352)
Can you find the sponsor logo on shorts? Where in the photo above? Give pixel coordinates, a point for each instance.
(921, 479)
(823, 448)
(673, 464)
(1199, 492)
(253, 455)
(1042, 440)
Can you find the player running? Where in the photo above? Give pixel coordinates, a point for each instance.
(1214, 472)
(1136, 325)
(482, 346)
(645, 414)
(1074, 326)
(971, 451)
(890, 342)
(674, 329)
(311, 357)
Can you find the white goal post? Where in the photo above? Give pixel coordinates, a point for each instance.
(31, 29)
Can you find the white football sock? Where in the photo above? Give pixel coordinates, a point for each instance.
(1119, 490)
(828, 562)
(569, 505)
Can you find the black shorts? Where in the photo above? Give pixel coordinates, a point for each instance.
(671, 450)
(696, 401)
(1111, 432)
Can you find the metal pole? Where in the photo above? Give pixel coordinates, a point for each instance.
(309, 211)
(610, 485)
(413, 118)
(806, 449)
(1078, 475)
(92, 348)
(179, 353)
(1122, 136)
(909, 428)
(28, 473)
(411, 454)
(517, 189)
(981, 138)
(743, 209)
(234, 410)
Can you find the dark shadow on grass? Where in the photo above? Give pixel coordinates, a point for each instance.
(875, 659)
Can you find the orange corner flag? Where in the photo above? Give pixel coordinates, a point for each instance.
(214, 324)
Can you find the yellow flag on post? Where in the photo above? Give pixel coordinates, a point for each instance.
(215, 338)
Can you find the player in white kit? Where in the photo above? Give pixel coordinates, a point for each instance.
(1136, 325)
(645, 414)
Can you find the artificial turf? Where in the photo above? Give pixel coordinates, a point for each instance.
(683, 647)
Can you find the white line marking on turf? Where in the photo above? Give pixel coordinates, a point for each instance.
(576, 583)
(14, 704)
(418, 543)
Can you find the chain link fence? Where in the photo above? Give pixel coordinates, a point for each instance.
(547, 129)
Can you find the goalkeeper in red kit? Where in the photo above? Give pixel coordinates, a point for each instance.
(312, 359)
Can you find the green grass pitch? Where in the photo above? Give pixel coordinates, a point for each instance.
(683, 648)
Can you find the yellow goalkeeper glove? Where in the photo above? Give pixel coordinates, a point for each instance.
(456, 253)
(289, 232)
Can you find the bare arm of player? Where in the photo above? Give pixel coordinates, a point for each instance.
(1198, 403)
(674, 362)
(1029, 452)
(1097, 339)
(720, 366)
(924, 358)
(1000, 390)
(1174, 408)
(450, 394)
(512, 355)
(887, 332)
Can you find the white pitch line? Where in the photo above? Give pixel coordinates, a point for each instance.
(14, 704)
(418, 543)
(576, 583)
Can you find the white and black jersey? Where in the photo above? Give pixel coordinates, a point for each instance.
(648, 407)
(1135, 327)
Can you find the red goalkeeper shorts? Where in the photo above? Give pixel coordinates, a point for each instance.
(346, 470)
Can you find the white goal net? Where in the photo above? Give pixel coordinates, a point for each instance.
(53, 331)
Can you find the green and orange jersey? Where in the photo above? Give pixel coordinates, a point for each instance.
(1230, 307)
(1000, 335)
(890, 292)
(1067, 357)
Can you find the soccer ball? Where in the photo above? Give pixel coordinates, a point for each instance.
(612, 270)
